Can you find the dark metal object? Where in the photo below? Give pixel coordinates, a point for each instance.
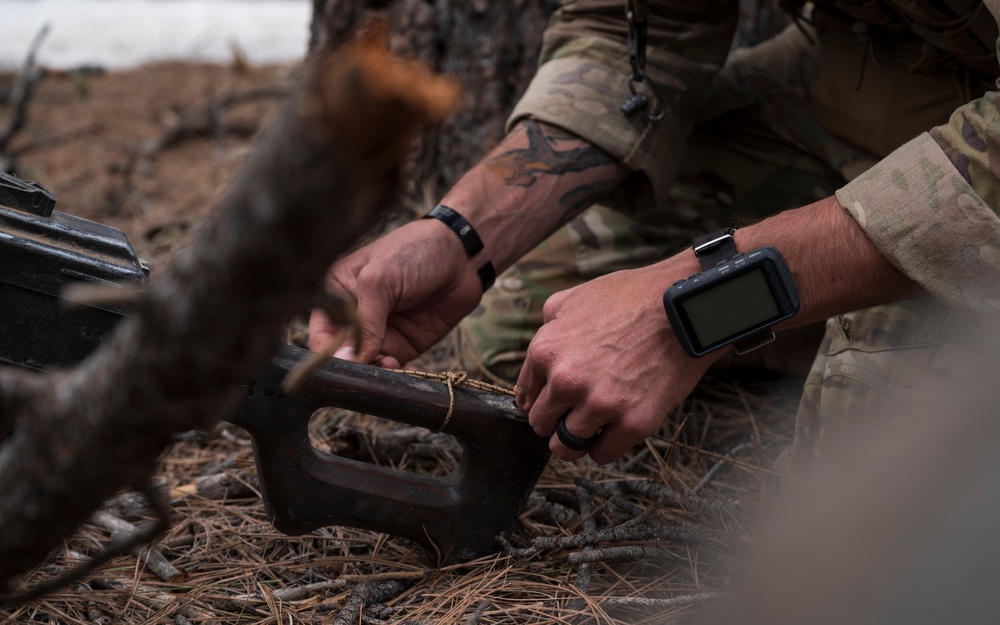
(41, 251)
(26, 195)
(457, 517)
(637, 35)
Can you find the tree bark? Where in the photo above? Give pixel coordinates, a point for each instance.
(490, 47)
(208, 322)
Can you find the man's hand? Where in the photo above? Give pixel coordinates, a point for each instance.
(607, 358)
(415, 284)
(412, 287)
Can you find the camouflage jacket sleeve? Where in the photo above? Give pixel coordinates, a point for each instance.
(582, 80)
(931, 207)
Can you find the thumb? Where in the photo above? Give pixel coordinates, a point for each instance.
(373, 312)
(322, 331)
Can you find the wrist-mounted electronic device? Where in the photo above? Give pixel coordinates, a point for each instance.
(736, 299)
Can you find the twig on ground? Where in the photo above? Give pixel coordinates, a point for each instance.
(367, 592)
(585, 574)
(672, 602)
(301, 592)
(122, 530)
(156, 600)
(158, 505)
(676, 534)
(220, 486)
(551, 512)
(719, 465)
(664, 494)
(627, 553)
(478, 613)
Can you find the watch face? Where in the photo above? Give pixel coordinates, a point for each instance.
(730, 307)
(746, 294)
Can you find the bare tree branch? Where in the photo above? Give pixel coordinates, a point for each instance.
(22, 92)
(209, 321)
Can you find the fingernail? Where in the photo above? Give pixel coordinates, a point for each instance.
(345, 353)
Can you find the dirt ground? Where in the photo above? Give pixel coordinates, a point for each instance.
(146, 151)
(658, 536)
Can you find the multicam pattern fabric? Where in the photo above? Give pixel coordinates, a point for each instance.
(923, 214)
(779, 125)
(583, 78)
(870, 363)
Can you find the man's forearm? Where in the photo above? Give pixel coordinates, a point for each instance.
(836, 266)
(535, 181)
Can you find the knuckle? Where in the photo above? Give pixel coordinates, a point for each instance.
(635, 430)
(555, 301)
(601, 404)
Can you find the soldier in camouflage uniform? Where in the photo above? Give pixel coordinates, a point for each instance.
(772, 127)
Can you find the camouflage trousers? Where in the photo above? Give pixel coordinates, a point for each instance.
(760, 150)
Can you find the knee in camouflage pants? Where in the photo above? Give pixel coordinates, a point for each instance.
(764, 149)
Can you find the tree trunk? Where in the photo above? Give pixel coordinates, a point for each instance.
(490, 47)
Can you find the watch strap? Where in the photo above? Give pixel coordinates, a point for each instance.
(755, 340)
(460, 226)
(469, 238)
(487, 275)
(714, 248)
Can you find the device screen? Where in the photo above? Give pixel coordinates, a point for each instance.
(737, 304)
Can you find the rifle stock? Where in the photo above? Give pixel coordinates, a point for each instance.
(457, 516)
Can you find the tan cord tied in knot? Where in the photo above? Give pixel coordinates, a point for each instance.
(452, 379)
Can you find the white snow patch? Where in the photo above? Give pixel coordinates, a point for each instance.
(125, 33)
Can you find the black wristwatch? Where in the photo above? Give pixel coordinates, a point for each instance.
(736, 299)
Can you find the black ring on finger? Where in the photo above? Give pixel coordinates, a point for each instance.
(569, 441)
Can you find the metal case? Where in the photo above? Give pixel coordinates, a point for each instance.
(41, 251)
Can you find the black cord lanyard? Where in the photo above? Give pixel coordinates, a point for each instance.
(637, 14)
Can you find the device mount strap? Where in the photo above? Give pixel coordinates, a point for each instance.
(714, 248)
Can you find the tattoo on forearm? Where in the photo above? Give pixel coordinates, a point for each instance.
(578, 199)
(522, 166)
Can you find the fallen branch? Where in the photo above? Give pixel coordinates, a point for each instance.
(719, 465)
(209, 120)
(159, 602)
(626, 553)
(21, 94)
(658, 531)
(585, 575)
(313, 185)
(478, 613)
(121, 530)
(672, 602)
(55, 140)
(366, 592)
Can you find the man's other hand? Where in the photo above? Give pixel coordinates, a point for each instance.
(607, 359)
